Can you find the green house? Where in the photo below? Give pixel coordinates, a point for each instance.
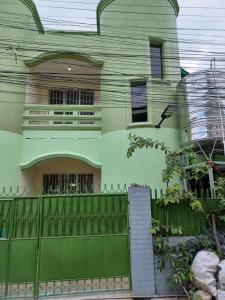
(69, 100)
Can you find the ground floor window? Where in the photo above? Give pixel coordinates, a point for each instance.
(67, 183)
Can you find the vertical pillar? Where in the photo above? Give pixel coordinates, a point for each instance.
(211, 178)
(142, 260)
(211, 181)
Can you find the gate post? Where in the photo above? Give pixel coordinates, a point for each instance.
(37, 261)
(141, 248)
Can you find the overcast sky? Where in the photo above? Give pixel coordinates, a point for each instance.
(201, 26)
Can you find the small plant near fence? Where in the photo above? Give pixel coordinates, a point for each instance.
(181, 256)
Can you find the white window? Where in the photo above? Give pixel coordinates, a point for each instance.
(72, 97)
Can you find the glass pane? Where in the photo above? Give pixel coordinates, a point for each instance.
(156, 61)
(139, 102)
(72, 97)
(87, 97)
(55, 97)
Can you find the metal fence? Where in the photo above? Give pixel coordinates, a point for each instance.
(192, 223)
(67, 244)
(54, 245)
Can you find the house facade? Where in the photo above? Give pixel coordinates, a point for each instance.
(69, 100)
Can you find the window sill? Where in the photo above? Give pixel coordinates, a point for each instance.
(140, 125)
(161, 81)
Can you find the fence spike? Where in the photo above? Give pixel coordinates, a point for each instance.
(3, 191)
(112, 187)
(98, 188)
(10, 190)
(18, 190)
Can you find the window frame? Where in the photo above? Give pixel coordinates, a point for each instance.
(136, 83)
(157, 44)
(66, 100)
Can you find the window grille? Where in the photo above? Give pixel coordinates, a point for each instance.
(56, 97)
(72, 97)
(67, 183)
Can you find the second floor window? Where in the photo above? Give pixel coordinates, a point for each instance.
(139, 102)
(72, 97)
(156, 61)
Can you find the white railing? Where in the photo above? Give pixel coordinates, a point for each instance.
(62, 117)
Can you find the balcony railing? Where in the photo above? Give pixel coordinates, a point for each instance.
(62, 117)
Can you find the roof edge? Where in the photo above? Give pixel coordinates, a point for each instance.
(71, 32)
(33, 9)
(103, 3)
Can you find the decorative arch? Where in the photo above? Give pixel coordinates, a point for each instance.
(32, 7)
(68, 55)
(104, 3)
(44, 157)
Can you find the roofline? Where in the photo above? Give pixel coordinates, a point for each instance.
(32, 7)
(103, 3)
(72, 32)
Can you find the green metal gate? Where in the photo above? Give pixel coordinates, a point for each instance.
(56, 245)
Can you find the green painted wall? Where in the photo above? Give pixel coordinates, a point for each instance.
(121, 50)
(16, 25)
(10, 149)
(144, 167)
(83, 144)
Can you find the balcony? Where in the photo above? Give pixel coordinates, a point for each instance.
(70, 117)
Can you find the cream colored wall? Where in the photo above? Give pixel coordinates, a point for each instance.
(56, 76)
(31, 179)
